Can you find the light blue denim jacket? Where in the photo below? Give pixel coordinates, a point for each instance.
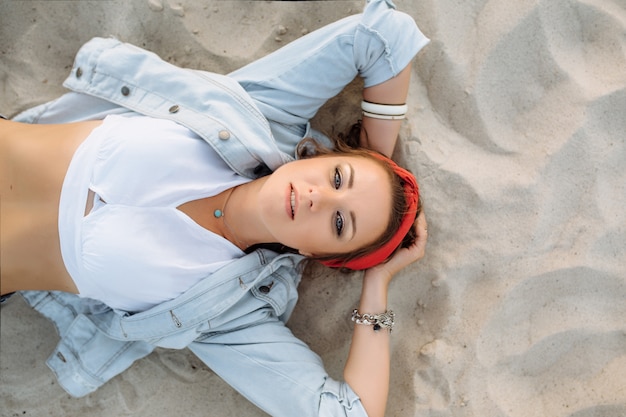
(253, 118)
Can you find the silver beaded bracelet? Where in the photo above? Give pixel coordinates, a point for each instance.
(383, 320)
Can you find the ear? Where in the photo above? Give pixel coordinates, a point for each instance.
(307, 254)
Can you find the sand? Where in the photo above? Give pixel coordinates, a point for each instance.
(517, 132)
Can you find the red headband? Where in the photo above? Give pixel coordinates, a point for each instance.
(411, 194)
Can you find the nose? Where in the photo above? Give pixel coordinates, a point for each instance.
(320, 198)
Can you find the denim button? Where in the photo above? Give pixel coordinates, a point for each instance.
(264, 289)
(174, 108)
(79, 72)
(125, 91)
(224, 135)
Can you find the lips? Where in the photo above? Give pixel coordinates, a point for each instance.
(290, 202)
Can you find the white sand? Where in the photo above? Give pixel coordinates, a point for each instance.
(517, 132)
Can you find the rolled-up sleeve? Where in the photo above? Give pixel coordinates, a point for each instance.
(277, 372)
(385, 42)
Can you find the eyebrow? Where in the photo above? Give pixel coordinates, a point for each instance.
(352, 216)
(353, 225)
(351, 179)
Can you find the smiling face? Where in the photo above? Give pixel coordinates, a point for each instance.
(327, 205)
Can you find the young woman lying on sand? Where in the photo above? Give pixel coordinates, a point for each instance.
(144, 220)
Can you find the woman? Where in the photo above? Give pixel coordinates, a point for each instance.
(233, 316)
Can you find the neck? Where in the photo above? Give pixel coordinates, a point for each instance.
(243, 224)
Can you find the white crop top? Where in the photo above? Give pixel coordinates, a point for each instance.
(135, 249)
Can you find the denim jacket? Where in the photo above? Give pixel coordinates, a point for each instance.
(252, 297)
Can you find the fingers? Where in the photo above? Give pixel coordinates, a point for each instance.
(421, 227)
(413, 253)
(418, 248)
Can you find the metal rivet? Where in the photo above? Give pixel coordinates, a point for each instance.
(176, 320)
(224, 135)
(174, 108)
(60, 356)
(79, 72)
(125, 91)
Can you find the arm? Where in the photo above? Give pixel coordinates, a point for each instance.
(367, 368)
(381, 135)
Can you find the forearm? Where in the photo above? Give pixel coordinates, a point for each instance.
(367, 367)
(381, 135)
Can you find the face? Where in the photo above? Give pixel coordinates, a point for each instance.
(327, 205)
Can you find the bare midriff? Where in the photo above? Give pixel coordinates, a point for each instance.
(33, 163)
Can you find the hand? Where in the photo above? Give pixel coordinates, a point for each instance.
(405, 256)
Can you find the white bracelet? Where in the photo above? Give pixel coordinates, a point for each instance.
(384, 111)
(383, 116)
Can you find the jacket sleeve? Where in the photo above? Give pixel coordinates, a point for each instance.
(116, 77)
(291, 84)
(85, 357)
(277, 372)
(70, 107)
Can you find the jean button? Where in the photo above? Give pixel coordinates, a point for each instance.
(125, 91)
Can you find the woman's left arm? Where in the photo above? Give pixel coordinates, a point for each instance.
(380, 134)
(367, 368)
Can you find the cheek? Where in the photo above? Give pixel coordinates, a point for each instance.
(310, 238)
